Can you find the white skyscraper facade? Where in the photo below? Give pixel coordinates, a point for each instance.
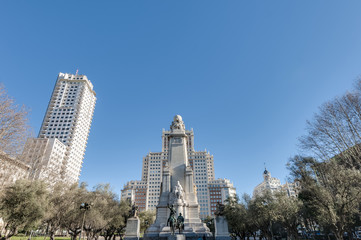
(68, 119)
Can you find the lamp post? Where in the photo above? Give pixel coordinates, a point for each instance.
(85, 206)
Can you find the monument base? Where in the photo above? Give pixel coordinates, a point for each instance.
(221, 227)
(177, 237)
(132, 231)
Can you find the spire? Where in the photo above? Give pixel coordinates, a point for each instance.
(265, 169)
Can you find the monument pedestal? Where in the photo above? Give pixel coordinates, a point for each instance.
(177, 237)
(221, 227)
(132, 231)
(178, 193)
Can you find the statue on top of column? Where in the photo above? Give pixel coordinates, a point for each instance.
(220, 209)
(177, 123)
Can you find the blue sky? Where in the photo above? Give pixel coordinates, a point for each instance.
(245, 75)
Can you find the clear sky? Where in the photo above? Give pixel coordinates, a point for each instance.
(245, 75)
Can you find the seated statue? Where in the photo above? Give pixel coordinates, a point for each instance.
(219, 209)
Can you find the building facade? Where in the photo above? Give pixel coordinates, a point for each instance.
(152, 172)
(219, 191)
(292, 189)
(274, 185)
(136, 193)
(68, 119)
(11, 170)
(45, 157)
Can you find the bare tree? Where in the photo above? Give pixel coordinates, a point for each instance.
(11, 169)
(335, 130)
(14, 129)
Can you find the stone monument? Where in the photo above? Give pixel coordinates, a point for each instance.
(178, 191)
(221, 224)
(132, 231)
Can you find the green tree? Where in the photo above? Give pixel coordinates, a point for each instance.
(104, 206)
(331, 190)
(118, 222)
(59, 206)
(264, 213)
(289, 213)
(73, 217)
(23, 206)
(146, 219)
(236, 215)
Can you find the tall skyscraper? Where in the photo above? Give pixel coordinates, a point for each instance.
(68, 119)
(145, 193)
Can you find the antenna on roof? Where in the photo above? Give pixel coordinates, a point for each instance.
(77, 72)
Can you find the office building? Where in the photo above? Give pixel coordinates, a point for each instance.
(68, 119)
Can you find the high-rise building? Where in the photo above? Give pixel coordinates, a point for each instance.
(68, 119)
(219, 191)
(152, 172)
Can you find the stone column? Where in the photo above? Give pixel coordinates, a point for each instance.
(178, 158)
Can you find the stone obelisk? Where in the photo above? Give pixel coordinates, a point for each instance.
(178, 189)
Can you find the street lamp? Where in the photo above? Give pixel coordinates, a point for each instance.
(85, 206)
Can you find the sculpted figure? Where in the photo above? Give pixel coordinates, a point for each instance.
(172, 221)
(180, 222)
(171, 214)
(134, 211)
(178, 191)
(220, 209)
(177, 123)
